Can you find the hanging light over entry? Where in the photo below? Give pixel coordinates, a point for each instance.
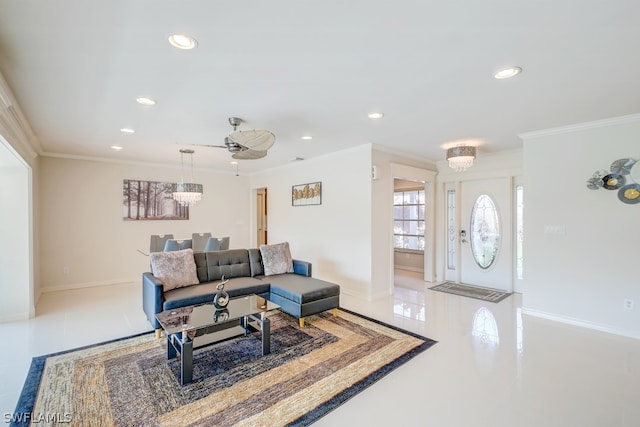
(187, 193)
(461, 157)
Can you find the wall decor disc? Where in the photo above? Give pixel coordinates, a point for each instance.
(613, 181)
(622, 166)
(600, 174)
(630, 194)
(595, 183)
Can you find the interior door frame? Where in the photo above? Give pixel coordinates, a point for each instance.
(261, 220)
(429, 179)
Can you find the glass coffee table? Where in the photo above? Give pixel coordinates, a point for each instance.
(197, 326)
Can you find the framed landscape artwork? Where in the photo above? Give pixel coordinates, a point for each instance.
(306, 194)
(150, 200)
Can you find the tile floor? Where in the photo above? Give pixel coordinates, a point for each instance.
(492, 366)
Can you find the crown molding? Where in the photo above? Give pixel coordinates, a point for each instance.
(127, 162)
(632, 118)
(399, 153)
(14, 123)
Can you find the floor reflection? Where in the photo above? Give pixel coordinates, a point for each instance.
(410, 303)
(485, 326)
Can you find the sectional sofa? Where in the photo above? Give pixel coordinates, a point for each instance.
(290, 286)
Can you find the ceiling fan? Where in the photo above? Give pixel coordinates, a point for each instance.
(246, 144)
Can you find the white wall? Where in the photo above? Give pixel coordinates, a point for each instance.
(15, 255)
(336, 235)
(582, 272)
(82, 226)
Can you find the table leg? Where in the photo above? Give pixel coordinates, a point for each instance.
(171, 350)
(186, 363)
(266, 336)
(244, 322)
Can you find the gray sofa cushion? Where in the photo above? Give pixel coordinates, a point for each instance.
(201, 266)
(276, 258)
(301, 290)
(204, 292)
(255, 258)
(174, 269)
(231, 263)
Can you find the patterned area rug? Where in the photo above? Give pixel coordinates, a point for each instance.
(129, 382)
(485, 294)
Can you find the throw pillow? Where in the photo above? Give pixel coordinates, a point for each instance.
(174, 269)
(276, 259)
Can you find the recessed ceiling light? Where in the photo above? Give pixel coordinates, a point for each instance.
(145, 101)
(375, 116)
(182, 41)
(127, 130)
(507, 73)
(234, 162)
(307, 137)
(116, 147)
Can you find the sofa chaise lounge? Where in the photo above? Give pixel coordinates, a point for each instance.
(292, 288)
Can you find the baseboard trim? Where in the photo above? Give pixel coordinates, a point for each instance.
(14, 318)
(71, 286)
(413, 269)
(581, 323)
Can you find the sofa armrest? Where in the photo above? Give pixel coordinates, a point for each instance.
(152, 297)
(302, 268)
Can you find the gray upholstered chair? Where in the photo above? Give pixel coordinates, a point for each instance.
(177, 245)
(199, 241)
(217, 244)
(157, 242)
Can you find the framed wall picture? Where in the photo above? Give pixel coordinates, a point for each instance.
(306, 194)
(150, 200)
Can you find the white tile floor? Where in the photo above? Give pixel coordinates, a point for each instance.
(492, 366)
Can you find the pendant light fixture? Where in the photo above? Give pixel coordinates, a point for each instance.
(187, 193)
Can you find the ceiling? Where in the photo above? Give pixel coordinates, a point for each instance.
(313, 68)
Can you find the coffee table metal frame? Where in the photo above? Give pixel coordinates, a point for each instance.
(184, 325)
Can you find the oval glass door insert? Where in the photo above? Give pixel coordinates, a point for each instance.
(485, 231)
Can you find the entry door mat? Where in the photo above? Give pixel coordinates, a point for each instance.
(477, 292)
(129, 382)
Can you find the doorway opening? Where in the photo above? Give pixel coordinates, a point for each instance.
(412, 224)
(261, 216)
(408, 225)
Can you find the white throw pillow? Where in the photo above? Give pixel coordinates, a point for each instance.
(174, 269)
(276, 258)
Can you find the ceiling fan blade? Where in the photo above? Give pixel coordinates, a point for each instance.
(259, 140)
(249, 154)
(205, 145)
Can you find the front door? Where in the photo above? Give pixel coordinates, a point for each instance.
(486, 249)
